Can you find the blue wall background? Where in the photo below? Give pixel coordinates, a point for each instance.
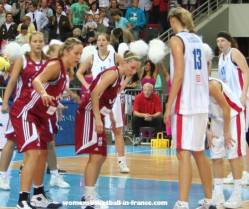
(65, 135)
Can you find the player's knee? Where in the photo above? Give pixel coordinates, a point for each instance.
(97, 159)
(118, 132)
(182, 155)
(198, 154)
(218, 161)
(51, 145)
(10, 145)
(31, 155)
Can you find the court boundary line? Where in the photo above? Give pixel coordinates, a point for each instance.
(111, 154)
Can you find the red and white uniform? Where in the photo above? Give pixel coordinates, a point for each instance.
(86, 138)
(237, 126)
(30, 117)
(98, 66)
(190, 109)
(24, 85)
(232, 75)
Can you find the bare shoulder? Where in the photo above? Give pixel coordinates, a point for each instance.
(236, 53)
(176, 41)
(55, 64)
(237, 56)
(19, 61)
(111, 74)
(235, 50)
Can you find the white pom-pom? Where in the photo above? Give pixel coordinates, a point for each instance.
(139, 47)
(26, 48)
(45, 49)
(55, 41)
(110, 48)
(122, 48)
(157, 50)
(87, 52)
(12, 51)
(208, 52)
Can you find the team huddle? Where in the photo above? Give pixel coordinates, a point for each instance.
(38, 81)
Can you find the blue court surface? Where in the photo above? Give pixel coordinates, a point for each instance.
(122, 192)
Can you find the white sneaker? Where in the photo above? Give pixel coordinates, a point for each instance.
(4, 183)
(57, 180)
(205, 205)
(234, 201)
(245, 178)
(217, 200)
(228, 179)
(201, 202)
(24, 205)
(41, 201)
(179, 206)
(123, 167)
(95, 204)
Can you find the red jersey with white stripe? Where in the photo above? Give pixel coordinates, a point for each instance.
(108, 97)
(24, 82)
(86, 138)
(33, 103)
(24, 86)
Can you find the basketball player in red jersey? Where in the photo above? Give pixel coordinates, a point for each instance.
(29, 117)
(89, 133)
(103, 58)
(21, 76)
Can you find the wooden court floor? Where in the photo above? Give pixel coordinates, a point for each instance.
(142, 166)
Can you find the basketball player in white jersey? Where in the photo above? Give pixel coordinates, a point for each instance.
(233, 70)
(101, 60)
(227, 114)
(187, 105)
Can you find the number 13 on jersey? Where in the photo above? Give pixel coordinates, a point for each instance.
(197, 59)
(197, 65)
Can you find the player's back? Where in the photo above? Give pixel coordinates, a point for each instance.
(193, 98)
(108, 97)
(233, 101)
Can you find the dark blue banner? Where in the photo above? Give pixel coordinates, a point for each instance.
(65, 134)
